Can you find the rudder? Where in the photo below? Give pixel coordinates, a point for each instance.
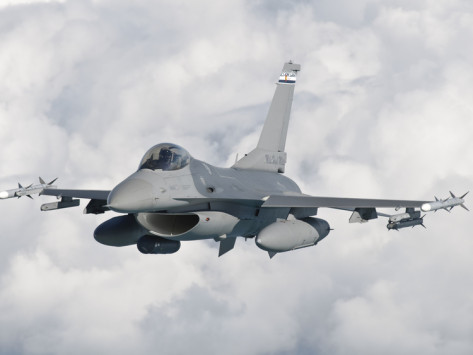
(269, 154)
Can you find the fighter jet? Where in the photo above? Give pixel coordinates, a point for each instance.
(174, 197)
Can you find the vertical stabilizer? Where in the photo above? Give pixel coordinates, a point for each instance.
(269, 154)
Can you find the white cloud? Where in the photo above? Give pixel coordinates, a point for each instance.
(4, 3)
(382, 107)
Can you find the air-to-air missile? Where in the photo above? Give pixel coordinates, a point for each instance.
(446, 204)
(28, 190)
(406, 223)
(410, 218)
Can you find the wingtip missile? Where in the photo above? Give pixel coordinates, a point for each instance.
(446, 204)
(4, 195)
(27, 191)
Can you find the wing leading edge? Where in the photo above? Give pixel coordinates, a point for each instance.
(88, 194)
(96, 205)
(336, 202)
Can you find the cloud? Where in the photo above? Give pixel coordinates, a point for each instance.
(382, 109)
(4, 3)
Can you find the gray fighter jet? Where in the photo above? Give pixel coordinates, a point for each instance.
(173, 197)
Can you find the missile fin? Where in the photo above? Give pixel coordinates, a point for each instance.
(451, 193)
(30, 197)
(52, 182)
(422, 222)
(41, 181)
(19, 186)
(464, 207)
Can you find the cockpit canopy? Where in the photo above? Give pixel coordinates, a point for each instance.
(165, 156)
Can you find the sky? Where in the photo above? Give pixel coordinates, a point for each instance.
(382, 109)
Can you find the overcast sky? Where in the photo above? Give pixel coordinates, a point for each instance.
(383, 108)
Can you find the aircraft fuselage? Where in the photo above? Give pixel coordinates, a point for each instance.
(199, 201)
(186, 189)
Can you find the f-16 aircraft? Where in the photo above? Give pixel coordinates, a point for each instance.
(174, 197)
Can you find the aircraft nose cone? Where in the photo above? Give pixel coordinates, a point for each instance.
(131, 196)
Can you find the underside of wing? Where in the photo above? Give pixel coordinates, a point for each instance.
(336, 202)
(97, 204)
(88, 194)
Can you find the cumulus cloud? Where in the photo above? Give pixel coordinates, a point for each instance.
(382, 109)
(26, 2)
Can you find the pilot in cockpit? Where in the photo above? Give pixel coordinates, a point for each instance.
(162, 163)
(165, 158)
(169, 157)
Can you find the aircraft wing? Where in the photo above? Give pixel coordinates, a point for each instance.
(336, 202)
(97, 204)
(88, 194)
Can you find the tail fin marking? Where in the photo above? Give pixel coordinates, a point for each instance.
(269, 154)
